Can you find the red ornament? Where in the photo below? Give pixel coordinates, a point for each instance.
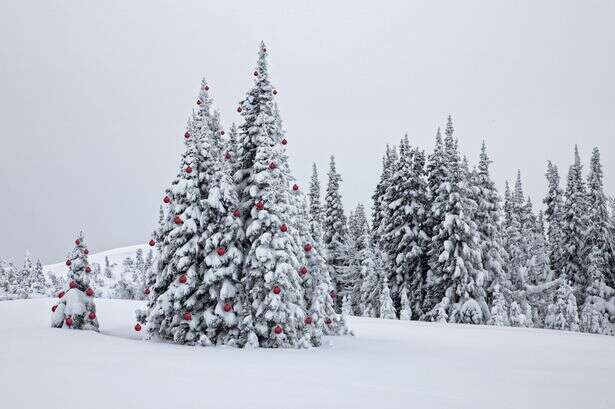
(295, 187)
(260, 205)
(92, 315)
(187, 135)
(86, 252)
(275, 92)
(237, 213)
(308, 320)
(146, 291)
(227, 307)
(72, 284)
(333, 295)
(61, 294)
(227, 155)
(88, 269)
(152, 243)
(272, 166)
(256, 73)
(221, 251)
(69, 321)
(277, 330)
(68, 262)
(239, 109)
(183, 278)
(284, 141)
(187, 316)
(199, 102)
(307, 247)
(206, 87)
(137, 327)
(221, 131)
(178, 220)
(283, 228)
(54, 308)
(166, 199)
(189, 169)
(303, 270)
(77, 242)
(328, 321)
(277, 290)
(89, 292)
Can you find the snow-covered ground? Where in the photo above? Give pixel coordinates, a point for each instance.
(388, 364)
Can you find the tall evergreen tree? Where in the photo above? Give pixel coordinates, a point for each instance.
(553, 214)
(379, 208)
(315, 209)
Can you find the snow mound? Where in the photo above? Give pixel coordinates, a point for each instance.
(388, 364)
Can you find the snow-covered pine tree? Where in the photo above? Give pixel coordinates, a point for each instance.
(594, 316)
(315, 210)
(563, 313)
(23, 281)
(38, 286)
(455, 266)
(499, 308)
(575, 228)
(378, 209)
(554, 217)
(175, 311)
(488, 219)
(517, 317)
(75, 308)
(108, 269)
(406, 309)
(271, 281)
(335, 227)
(387, 310)
(357, 223)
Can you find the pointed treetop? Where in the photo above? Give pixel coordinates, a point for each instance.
(577, 158)
(449, 127)
(484, 161)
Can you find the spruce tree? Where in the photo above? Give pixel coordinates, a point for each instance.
(387, 310)
(563, 313)
(554, 218)
(335, 225)
(270, 278)
(315, 210)
(499, 308)
(575, 229)
(75, 308)
(379, 209)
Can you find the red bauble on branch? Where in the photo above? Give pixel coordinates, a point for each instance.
(283, 228)
(86, 252)
(239, 109)
(256, 73)
(89, 292)
(333, 294)
(54, 308)
(221, 251)
(277, 290)
(260, 205)
(68, 262)
(88, 269)
(277, 329)
(303, 270)
(284, 141)
(146, 291)
(295, 187)
(187, 316)
(199, 102)
(72, 284)
(69, 321)
(221, 131)
(206, 88)
(137, 327)
(227, 155)
(308, 320)
(92, 315)
(77, 242)
(275, 92)
(178, 220)
(183, 278)
(307, 247)
(189, 169)
(328, 321)
(227, 307)
(187, 135)
(152, 243)
(61, 294)
(237, 213)
(166, 200)
(272, 166)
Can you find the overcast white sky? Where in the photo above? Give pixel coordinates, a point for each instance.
(94, 96)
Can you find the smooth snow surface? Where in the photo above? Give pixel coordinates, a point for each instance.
(388, 364)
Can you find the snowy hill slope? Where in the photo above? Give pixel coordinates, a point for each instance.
(389, 364)
(115, 256)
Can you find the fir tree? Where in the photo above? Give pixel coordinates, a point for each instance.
(75, 308)
(379, 209)
(315, 209)
(387, 310)
(553, 215)
(499, 309)
(406, 309)
(563, 313)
